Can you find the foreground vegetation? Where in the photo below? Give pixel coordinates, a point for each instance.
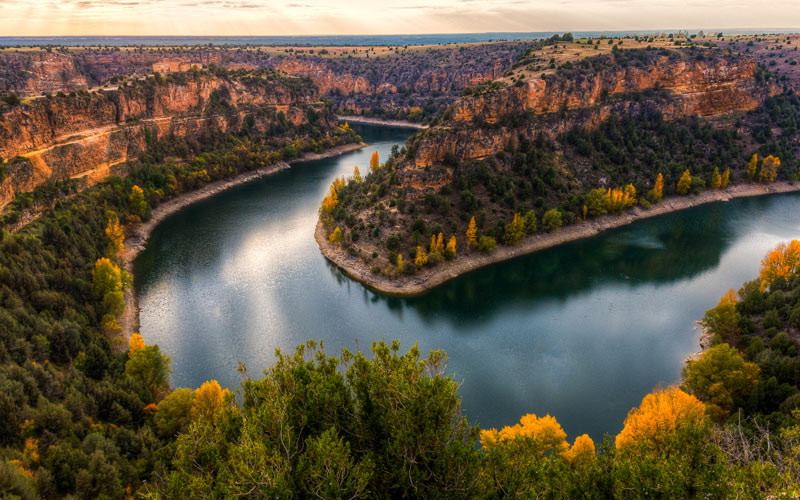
(76, 409)
(82, 418)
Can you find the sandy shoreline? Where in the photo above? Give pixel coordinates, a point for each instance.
(137, 241)
(406, 286)
(380, 121)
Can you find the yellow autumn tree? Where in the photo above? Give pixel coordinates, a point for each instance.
(472, 233)
(661, 413)
(208, 400)
(581, 451)
(657, 193)
(716, 179)
(515, 231)
(339, 183)
(335, 237)
(769, 169)
(422, 258)
(752, 167)
(138, 203)
(136, 343)
(545, 431)
(437, 244)
(620, 198)
(400, 266)
(781, 262)
(329, 203)
(450, 250)
(726, 178)
(684, 183)
(115, 234)
(357, 175)
(374, 162)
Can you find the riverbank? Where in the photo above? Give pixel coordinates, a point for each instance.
(136, 242)
(380, 121)
(421, 282)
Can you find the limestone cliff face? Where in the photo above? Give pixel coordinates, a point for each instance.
(32, 73)
(86, 135)
(702, 87)
(481, 126)
(555, 104)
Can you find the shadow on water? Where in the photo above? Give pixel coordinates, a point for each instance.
(581, 331)
(681, 246)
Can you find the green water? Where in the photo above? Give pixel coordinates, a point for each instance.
(581, 331)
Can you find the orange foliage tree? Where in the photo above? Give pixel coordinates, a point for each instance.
(374, 162)
(782, 262)
(472, 233)
(208, 400)
(136, 343)
(659, 416)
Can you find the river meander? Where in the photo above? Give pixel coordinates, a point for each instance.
(581, 331)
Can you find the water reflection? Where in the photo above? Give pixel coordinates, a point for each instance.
(581, 331)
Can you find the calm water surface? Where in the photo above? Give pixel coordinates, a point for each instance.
(581, 331)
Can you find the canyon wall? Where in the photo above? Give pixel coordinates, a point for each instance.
(480, 126)
(424, 79)
(86, 135)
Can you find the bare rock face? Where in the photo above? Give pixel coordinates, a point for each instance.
(87, 135)
(674, 86)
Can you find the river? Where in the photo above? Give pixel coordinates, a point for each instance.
(581, 331)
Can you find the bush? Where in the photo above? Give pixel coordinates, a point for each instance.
(486, 244)
(551, 220)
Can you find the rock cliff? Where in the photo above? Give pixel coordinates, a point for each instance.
(87, 134)
(674, 83)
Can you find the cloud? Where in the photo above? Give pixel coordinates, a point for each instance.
(305, 17)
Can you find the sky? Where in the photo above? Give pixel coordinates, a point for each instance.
(327, 17)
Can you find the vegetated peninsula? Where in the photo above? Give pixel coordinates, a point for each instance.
(551, 153)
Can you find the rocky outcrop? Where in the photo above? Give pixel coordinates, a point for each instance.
(87, 135)
(672, 85)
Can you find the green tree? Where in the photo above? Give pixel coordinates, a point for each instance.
(721, 378)
(139, 206)
(551, 220)
(150, 367)
(174, 412)
(596, 203)
(723, 320)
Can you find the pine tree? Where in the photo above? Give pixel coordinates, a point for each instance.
(752, 166)
(472, 233)
(716, 179)
(684, 183)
